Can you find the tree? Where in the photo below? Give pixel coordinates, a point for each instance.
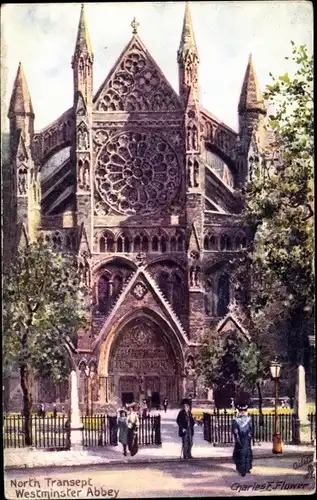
(219, 363)
(229, 362)
(44, 304)
(279, 205)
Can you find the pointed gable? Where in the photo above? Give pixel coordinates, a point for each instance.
(193, 243)
(136, 83)
(83, 245)
(141, 292)
(80, 105)
(19, 151)
(231, 323)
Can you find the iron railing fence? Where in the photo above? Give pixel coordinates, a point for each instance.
(217, 427)
(46, 432)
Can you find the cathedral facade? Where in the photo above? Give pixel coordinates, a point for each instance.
(144, 186)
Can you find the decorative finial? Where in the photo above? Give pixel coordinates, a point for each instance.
(134, 25)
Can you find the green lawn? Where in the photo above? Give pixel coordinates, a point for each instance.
(198, 412)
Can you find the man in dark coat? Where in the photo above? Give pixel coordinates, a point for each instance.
(185, 422)
(242, 433)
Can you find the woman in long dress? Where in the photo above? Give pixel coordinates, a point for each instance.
(242, 433)
(123, 431)
(133, 427)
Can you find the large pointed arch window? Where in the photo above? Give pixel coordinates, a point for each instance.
(223, 294)
(217, 297)
(104, 293)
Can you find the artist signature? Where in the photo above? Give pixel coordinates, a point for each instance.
(311, 464)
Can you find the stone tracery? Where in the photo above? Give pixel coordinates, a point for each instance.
(137, 173)
(137, 85)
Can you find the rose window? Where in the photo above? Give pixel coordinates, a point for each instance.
(137, 173)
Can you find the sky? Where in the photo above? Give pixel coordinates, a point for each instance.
(42, 37)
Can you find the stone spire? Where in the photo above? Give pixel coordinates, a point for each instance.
(83, 45)
(188, 43)
(188, 60)
(251, 98)
(20, 103)
(82, 61)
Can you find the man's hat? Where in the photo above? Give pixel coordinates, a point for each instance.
(185, 401)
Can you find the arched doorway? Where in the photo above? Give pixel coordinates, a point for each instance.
(143, 364)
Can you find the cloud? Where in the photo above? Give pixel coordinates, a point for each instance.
(43, 36)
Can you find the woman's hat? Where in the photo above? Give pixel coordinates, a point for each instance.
(123, 412)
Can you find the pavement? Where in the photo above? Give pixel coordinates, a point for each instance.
(170, 450)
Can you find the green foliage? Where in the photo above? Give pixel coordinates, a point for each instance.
(226, 361)
(44, 304)
(279, 205)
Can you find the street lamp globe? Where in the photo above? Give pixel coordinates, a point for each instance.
(275, 369)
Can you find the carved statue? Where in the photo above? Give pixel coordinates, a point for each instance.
(188, 137)
(191, 276)
(190, 173)
(22, 181)
(141, 258)
(86, 176)
(196, 275)
(83, 142)
(196, 174)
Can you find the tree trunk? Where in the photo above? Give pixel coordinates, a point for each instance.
(27, 403)
(261, 419)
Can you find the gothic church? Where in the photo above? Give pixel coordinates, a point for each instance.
(142, 184)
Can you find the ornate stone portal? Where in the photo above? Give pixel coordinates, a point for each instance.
(143, 364)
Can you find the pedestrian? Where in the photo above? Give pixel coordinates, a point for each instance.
(185, 422)
(123, 430)
(39, 410)
(54, 410)
(133, 428)
(145, 409)
(165, 403)
(232, 404)
(242, 433)
(43, 410)
(190, 401)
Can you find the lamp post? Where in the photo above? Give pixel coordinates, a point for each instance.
(87, 373)
(275, 369)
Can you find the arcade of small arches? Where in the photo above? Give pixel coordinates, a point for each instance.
(61, 240)
(224, 242)
(57, 135)
(141, 242)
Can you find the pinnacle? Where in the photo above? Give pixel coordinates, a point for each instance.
(83, 40)
(20, 102)
(188, 42)
(251, 97)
